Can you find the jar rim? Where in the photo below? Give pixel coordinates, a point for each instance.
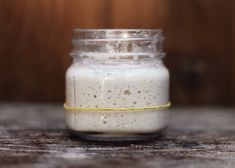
(93, 35)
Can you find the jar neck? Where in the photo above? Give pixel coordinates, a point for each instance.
(125, 45)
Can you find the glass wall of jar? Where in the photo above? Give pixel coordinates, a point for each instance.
(117, 88)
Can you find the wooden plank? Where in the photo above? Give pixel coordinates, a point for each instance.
(139, 14)
(35, 44)
(33, 135)
(199, 49)
(36, 40)
(230, 42)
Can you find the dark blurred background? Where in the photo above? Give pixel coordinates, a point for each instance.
(35, 41)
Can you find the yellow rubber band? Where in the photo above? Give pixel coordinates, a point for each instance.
(163, 106)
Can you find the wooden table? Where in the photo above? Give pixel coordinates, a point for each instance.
(33, 135)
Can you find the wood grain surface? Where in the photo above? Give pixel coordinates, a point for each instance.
(34, 135)
(35, 41)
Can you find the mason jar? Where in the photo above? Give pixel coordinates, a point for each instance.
(117, 87)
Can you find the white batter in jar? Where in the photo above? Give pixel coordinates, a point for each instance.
(117, 87)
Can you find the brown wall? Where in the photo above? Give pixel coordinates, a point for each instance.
(35, 40)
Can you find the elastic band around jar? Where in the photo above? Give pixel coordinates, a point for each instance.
(158, 107)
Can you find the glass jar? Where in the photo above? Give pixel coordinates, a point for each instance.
(117, 88)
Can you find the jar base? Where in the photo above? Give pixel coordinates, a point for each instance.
(114, 137)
